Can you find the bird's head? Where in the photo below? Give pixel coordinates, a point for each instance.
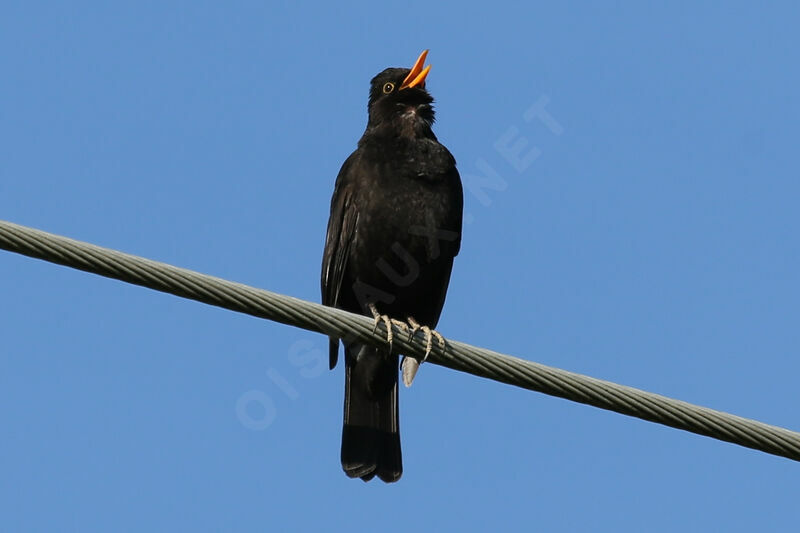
(398, 99)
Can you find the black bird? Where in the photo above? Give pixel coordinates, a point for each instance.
(394, 229)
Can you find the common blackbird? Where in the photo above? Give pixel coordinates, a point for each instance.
(394, 229)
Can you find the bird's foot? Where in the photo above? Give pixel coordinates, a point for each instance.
(411, 365)
(388, 323)
(429, 336)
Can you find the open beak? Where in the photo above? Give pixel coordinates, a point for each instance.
(416, 78)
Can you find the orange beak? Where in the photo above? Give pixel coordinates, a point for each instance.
(416, 78)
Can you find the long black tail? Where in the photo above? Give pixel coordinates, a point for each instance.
(371, 433)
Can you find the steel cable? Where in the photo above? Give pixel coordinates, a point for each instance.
(456, 355)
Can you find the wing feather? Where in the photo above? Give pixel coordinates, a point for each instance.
(341, 231)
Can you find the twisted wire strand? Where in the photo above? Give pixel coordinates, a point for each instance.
(456, 355)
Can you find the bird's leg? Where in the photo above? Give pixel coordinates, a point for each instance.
(388, 323)
(414, 328)
(411, 365)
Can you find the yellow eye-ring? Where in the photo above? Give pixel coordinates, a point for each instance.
(388, 87)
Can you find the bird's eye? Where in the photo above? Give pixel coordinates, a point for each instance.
(388, 87)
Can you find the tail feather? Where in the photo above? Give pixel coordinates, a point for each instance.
(371, 432)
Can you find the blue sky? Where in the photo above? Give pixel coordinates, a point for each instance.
(648, 237)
